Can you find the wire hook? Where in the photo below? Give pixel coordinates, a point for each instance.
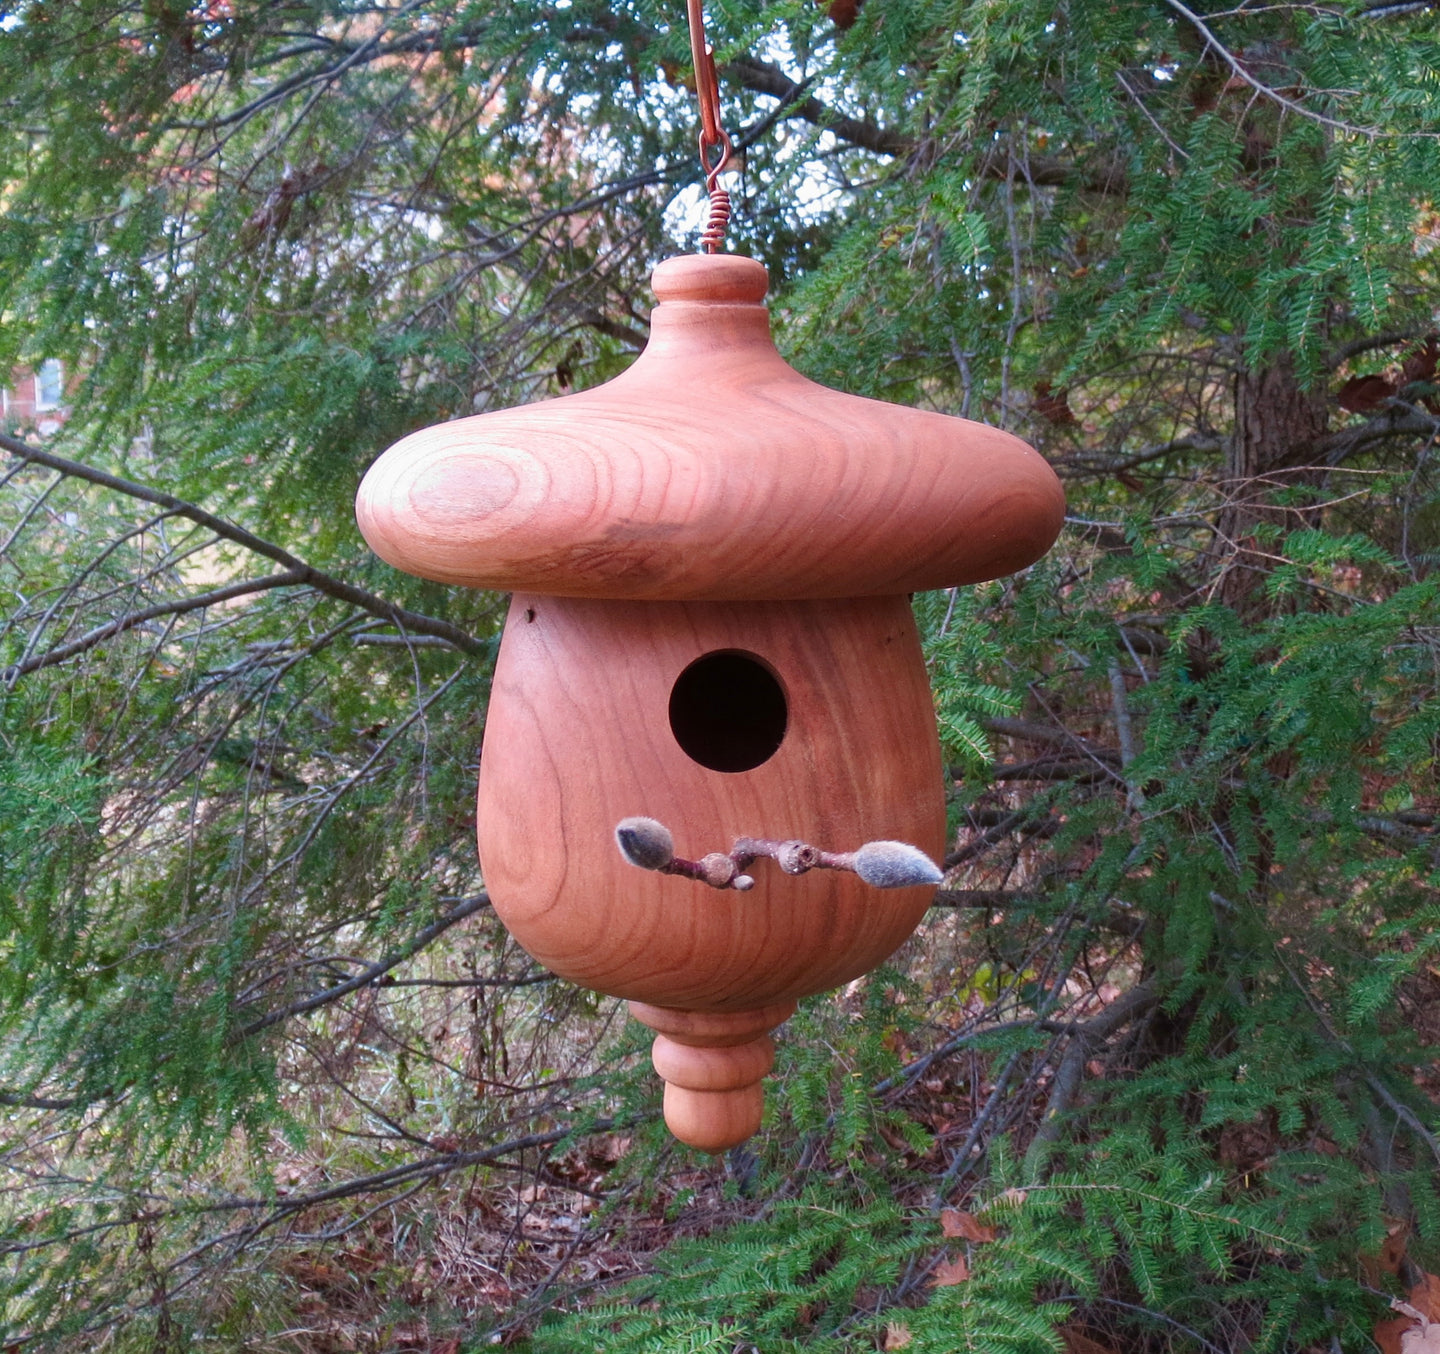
(713, 137)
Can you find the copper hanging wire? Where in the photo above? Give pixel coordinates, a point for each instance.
(712, 135)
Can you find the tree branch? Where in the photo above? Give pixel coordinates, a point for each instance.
(1030, 732)
(1004, 824)
(1082, 465)
(1265, 91)
(764, 77)
(1056, 766)
(35, 1102)
(468, 908)
(1039, 171)
(129, 621)
(1343, 352)
(1085, 1038)
(304, 574)
(1399, 420)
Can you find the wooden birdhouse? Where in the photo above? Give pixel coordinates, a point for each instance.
(710, 660)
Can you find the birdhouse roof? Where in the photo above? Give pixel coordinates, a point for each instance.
(710, 470)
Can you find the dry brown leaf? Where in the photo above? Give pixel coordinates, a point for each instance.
(1053, 405)
(896, 1336)
(1389, 1257)
(1360, 394)
(1387, 1333)
(950, 1272)
(1013, 1197)
(1077, 1343)
(956, 1222)
(1426, 1296)
(1416, 1330)
(894, 1139)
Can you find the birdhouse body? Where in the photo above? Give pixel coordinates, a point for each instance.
(712, 559)
(589, 724)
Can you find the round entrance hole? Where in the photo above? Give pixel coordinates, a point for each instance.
(728, 711)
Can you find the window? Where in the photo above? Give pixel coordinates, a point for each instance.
(49, 384)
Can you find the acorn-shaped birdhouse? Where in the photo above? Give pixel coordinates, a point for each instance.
(710, 780)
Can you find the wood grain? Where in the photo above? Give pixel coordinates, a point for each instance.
(710, 470)
(578, 737)
(709, 500)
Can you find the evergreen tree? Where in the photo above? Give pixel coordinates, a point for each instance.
(1157, 1072)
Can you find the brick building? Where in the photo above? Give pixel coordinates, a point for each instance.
(34, 401)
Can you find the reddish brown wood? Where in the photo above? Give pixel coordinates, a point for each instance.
(711, 499)
(579, 737)
(712, 1070)
(710, 470)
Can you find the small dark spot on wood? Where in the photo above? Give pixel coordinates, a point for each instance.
(529, 615)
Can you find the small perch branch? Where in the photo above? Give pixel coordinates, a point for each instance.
(647, 844)
(794, 857)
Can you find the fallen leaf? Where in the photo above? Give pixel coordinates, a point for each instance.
(1012, 1197)
(950, 1272)
(1387, 1333)
(955, 1222)
(1415, 1330)
(1076, 1343)
(896, 1336)
(1426, 1296)
(894, 1139)
(1422, 1336)
(1421, 1340)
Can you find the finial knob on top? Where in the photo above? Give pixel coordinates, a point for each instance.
(727, 279)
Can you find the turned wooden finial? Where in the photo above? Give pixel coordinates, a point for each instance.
(713, 1064)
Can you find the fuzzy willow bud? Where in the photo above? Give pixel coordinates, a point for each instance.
(895, 865)
(645, 842)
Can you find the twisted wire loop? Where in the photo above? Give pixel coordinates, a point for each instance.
(713, 235)
(712, 135)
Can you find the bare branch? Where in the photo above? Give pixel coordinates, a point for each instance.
(1075, 466)
(1085, 1038)
(1038, 171)
(128, 622)
(468, 908)
(35, 1102)
(1343, 352)
(1266, 91)
(1399, 420)
(303, 573)
(763, 77)
(1019, 821)
(1056, 735)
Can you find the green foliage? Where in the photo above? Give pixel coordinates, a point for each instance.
(1193, 751)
